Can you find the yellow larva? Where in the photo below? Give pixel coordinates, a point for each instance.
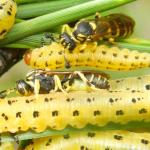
(140, 83)
(8, 10)
(77, 109)
(7, 146)
(102, 57)
(112, 140)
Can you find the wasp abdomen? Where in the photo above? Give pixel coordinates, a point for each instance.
(114, 26)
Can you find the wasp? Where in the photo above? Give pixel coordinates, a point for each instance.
(110, 27)
(43, 81)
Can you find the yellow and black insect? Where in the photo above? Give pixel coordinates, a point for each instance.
(102, 57)
(44, 81)
(76, 109)
(8, 10)
(111, 27)
(104, 140)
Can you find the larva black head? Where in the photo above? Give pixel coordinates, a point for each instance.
(23, 88)
(67, 41)
(84, 30)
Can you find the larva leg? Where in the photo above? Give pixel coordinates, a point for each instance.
(66, 29)
(97, 15)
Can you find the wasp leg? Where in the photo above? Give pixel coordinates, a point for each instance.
(67, 29)
(5, 93)
(58, 84)
(36, 87)
(97, 16)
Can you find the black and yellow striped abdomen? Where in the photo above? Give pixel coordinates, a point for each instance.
(114, 26)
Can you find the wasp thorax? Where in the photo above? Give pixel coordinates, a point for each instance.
(83, 30)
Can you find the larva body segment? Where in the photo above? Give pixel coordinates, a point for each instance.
(8, 10)
(7, 146)
(140, 83)
(103, 57)
(76, 109)
(112, 140)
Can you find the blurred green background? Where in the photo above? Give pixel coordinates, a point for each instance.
(138, 10)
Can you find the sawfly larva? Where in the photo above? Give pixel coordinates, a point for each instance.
(53, 57)
(104, 140)
(8, 10)
(77, 109)
(140, 83)
(110, 27)
(7, 146)
(44, 81)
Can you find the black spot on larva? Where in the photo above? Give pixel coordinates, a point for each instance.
(48, 142)
(76, 113)
(107, 148)
(19, 128)
(18, 114)
(3, 31)
(9, 102)
(127, 88)
(125, 56)
(103, 52)
(46, 64)
(1, 7)
(147, 87)
(35, 114)
(118, 137)
(89, 100)
(90, 134)
(82, 147)
(34, 64)
(111, 100)
(119, 112)
(58, 62)
(115, 54)
(60, 52)
(144, 141)
(55, 113)
(142, 111)
(46, 99)
(133, 91)
(136, 57)
(139, 78)
(27, 101)
(69, 99)
(133, 100)
(66, 136)
(9, 13)
(81, 51)
(4, 116)
(96, 113)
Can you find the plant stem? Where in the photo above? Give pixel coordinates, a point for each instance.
(38, 9)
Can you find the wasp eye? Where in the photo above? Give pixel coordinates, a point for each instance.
(84, 28)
